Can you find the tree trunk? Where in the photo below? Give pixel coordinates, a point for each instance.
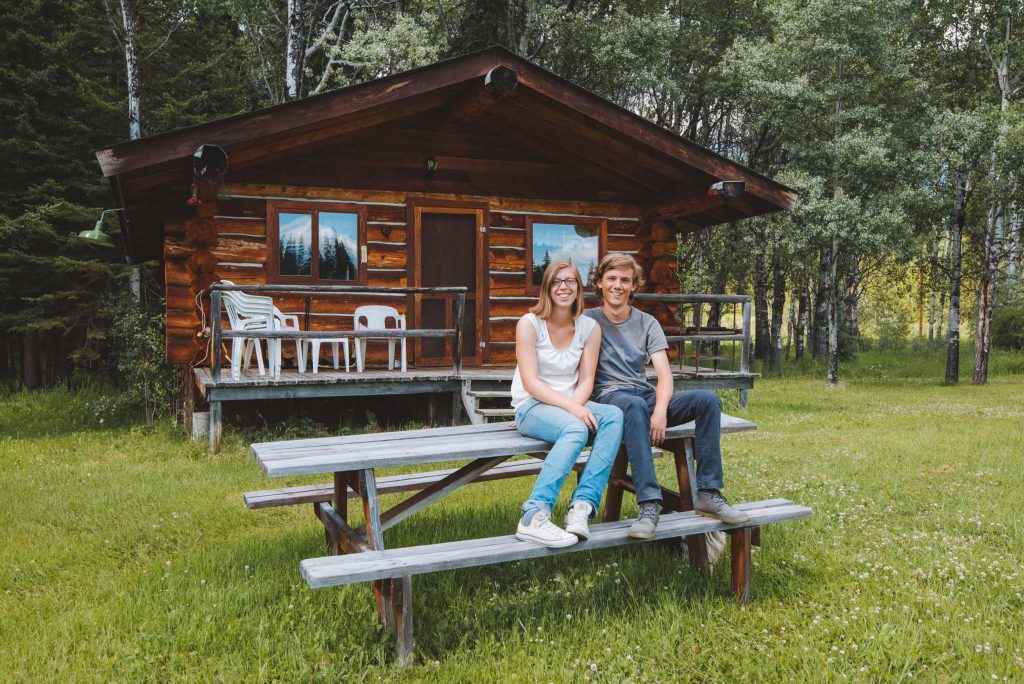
(819, 321)
(295, 50)
(29, 361)
(995, 226)
(956, 242)
(131, 60)
(986, 293)
(762, 341)
(833, 312)
(852, 302)
(778, 308)
(803, 311)
(790, 321)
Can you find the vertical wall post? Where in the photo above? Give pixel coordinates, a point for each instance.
(215, 352)
(460, 316)
(745, 351)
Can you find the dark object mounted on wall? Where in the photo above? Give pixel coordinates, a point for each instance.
(210, 162)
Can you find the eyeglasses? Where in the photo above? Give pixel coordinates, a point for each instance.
(570, 283)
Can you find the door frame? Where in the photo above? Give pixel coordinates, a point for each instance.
(415, 208)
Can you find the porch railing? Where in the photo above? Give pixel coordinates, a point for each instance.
(219, 334)
(705, 321)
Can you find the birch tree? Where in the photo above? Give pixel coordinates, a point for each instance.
(1000, 182)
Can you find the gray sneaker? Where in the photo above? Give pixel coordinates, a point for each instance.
(711, 504)
(646, 522)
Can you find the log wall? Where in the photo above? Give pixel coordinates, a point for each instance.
(227, 240)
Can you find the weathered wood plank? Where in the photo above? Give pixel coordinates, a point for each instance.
(369, 566)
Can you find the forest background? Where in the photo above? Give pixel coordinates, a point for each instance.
(898, 122)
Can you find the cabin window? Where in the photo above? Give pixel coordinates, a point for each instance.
(550, 239)
(316, 243)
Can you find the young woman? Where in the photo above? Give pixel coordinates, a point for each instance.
(556, 356)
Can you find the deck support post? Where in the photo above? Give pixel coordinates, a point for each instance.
(215, 427)
(745, 352)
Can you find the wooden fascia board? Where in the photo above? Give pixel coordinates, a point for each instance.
(133, 155)
(653, 136)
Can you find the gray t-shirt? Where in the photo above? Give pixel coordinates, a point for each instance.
(625, 350)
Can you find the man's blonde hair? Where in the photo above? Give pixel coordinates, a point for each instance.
(545, 303)
(618, 262)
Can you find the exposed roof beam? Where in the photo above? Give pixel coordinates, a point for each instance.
(696, 202)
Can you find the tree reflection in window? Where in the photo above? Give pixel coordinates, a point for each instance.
(338, 246)
(553, 241)
(295, 244)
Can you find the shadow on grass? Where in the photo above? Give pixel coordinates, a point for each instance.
(462, 609)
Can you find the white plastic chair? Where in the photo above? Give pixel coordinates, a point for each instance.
(376, 317)
(251, 312)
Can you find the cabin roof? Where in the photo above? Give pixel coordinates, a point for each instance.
(497, 124)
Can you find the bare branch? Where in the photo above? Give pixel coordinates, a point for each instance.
(181, 20)
(113, 23)
(328, 30)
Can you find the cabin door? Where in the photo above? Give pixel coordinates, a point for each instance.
(448, 243)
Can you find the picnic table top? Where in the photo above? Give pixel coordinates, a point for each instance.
(415, 447)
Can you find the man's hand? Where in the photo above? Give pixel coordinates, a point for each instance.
(659, 423)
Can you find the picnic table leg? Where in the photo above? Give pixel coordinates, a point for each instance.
(613, 500)
(401, 604)
(741, 563)
(375, 541)
(696, 544)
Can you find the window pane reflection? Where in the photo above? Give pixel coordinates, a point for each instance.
(554, 241)
(339, 249)
(295, 244)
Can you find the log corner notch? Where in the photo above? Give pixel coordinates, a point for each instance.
(499, 83)
(696, 202)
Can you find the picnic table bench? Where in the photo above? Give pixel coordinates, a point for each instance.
(359, 555)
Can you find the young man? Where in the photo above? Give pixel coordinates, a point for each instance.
(629, 338)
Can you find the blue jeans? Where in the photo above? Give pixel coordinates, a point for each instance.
(702, 406)
(569, 435)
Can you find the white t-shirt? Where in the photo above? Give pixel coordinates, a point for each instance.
(558, 368)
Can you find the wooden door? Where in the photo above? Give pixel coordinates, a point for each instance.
(449, 249)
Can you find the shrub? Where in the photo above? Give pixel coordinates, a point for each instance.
(1008, 327)
(137, 350)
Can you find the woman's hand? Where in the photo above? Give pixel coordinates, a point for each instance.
(584, 414)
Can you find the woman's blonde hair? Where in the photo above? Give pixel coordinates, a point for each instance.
(542, 309)
(618, 262)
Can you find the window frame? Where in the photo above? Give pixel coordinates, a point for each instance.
(602, 242)
(277, 207)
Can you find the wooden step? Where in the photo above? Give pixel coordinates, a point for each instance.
(490, 394)
(374, 565)
(497, 412)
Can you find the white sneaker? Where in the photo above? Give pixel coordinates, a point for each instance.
(576, 520)
(544, 532)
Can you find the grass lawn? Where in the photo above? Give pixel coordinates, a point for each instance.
(128, 556)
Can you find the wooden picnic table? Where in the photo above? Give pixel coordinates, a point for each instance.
(354, 460)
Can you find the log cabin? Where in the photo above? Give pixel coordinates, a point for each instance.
(469, 173)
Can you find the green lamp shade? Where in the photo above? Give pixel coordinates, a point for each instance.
(96, 235)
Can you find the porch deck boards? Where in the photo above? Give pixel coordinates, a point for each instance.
(325, 377)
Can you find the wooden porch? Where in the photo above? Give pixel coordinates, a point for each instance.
(710, 350)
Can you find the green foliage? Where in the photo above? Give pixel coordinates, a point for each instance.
(137, 351)
(1008, 327)
(165, 576)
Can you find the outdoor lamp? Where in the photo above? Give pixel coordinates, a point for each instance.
(431, 167)
(96, 235)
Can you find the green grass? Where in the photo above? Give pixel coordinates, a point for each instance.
(128, 556)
